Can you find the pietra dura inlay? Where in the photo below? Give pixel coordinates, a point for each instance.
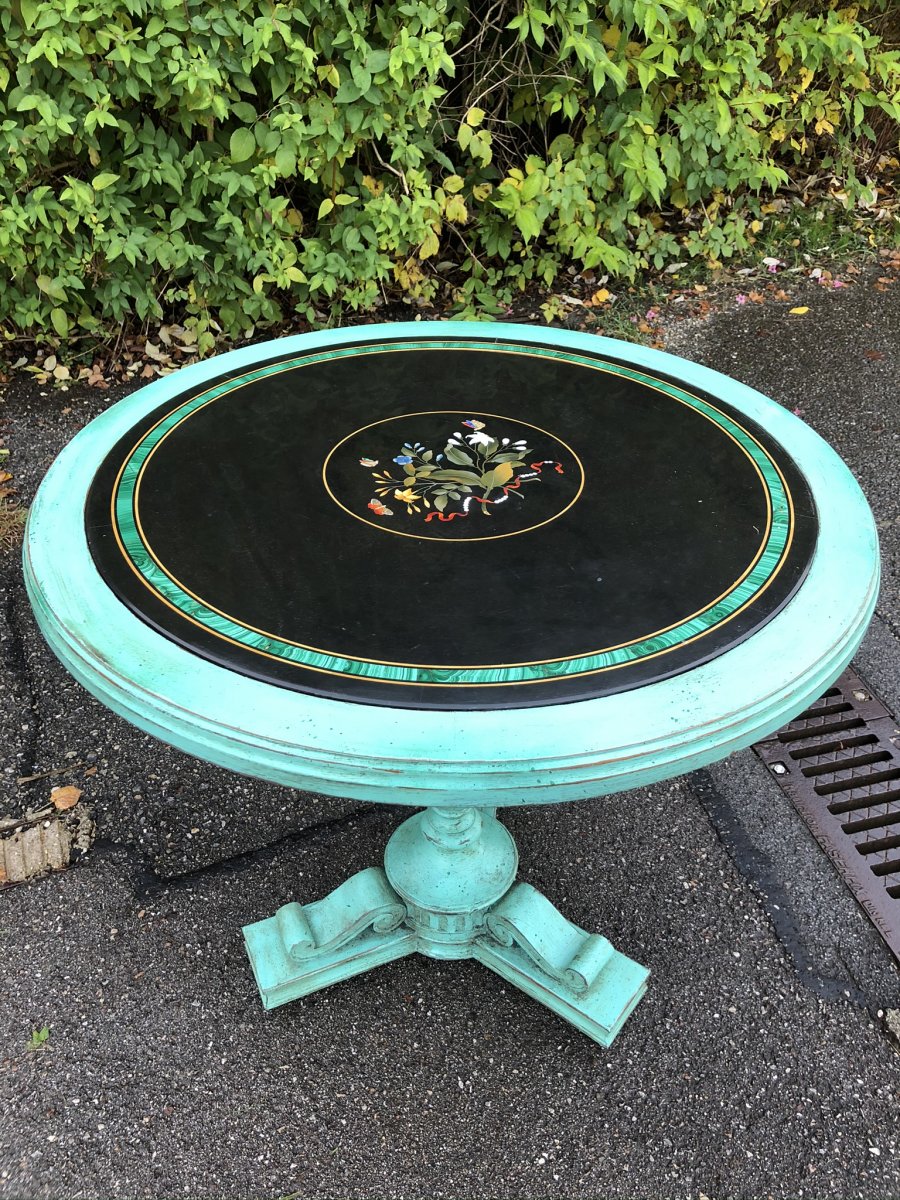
(465, 466)
(451, 523)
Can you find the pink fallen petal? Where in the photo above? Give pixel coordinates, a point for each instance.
(740, 299)
(651, 314)
(838, 283)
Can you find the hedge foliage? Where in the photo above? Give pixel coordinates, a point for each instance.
(242, 160)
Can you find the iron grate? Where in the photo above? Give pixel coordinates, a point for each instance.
(839, 762)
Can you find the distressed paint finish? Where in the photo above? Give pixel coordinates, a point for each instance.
(440, 759)
(448, 890)
(535, 755)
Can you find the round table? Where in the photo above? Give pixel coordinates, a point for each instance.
(458, 566)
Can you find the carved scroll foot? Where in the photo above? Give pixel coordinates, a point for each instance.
(305, 947)
(448, 892)
(576, 974)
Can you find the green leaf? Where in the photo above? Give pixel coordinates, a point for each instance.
(241, 145)
(347, 92)
(377, 61)
(60, 322)
(458, 456)
(454, 183)
(30, 10)
(104, 180)
(50, 287)
(528, 224)
(361, 78)
(285, 161)
(343, 198)
(38, 1038)
(474, 116)
(562, 146)
(325, 207)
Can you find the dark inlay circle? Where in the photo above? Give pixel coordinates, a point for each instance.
(565, 526)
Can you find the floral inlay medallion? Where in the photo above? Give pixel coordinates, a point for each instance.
(474, 472)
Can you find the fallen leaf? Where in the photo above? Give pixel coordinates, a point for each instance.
(4, 475)
(65, 797)
(91, 771)
(874, 355)
(800, 311)
(601, 296)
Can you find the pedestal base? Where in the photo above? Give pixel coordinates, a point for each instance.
(448, 890)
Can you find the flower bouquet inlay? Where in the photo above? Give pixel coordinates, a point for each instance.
(475, 471)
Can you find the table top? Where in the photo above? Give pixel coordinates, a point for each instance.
(455, 552)
(446, 523)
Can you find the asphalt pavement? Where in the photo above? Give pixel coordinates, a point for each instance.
(760, 1064)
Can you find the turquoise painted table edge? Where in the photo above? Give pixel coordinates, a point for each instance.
(449, 886)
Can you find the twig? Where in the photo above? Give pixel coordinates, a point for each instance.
(54, 771)
(394, 170)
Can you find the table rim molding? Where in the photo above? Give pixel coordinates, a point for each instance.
(526, 755)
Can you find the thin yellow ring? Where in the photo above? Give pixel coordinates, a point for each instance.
(424, 537)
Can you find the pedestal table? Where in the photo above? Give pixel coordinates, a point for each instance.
(459, 567)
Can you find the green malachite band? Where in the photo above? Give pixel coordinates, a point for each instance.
(169, 590)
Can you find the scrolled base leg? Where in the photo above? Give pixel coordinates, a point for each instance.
(578, 975)
(305, 947)
(448, 891)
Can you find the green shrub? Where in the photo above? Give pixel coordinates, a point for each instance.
(242, 161)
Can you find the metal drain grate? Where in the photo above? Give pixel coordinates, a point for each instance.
(839, 762)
